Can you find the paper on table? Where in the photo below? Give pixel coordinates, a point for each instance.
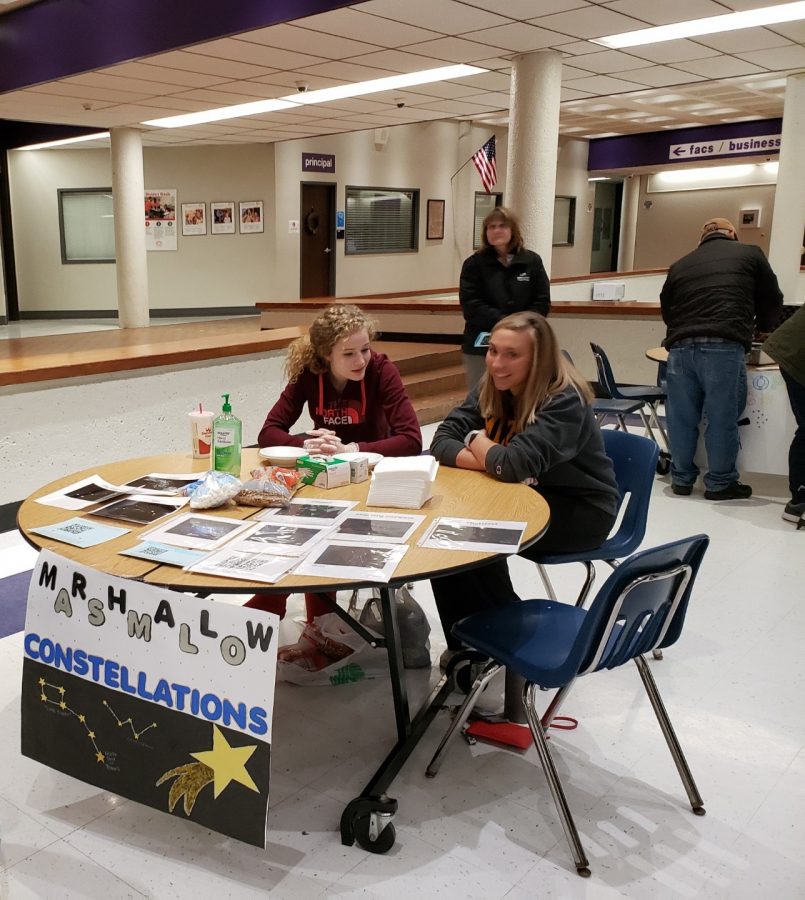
(231, 563)
(164, 554)
(315, 512)
(479, 535)
(80, 532)
(283, 538)
(404, 482)
(140, 509)
(359, 561)
(161, 483)
(81, 494)
(389, 527)
(197, 531)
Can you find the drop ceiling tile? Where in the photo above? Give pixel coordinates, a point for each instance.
(252, 90)
(342, 71)
(603, 85)
(670, 52)
(128, 85)
(791, 57)
(794, 31)
(175, 105)
(499, 64)
(524, 9)
(447, 16)
(453, 49)
(497, 100)
(660, 12)
(161, 75)
(213, 98)
(719, 67)
(571, 72)
(285, 80)
(661, 76)
(743, 40)
(608, 61)
(590, 22)
(303, 40)
(351, 23)
(573, 94)
(212, 65)
(519, 37)
(400, 61)
(257, 54)
(84, 92)
(581, 48)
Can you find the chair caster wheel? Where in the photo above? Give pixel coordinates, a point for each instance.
(583, 871)
(367, 820)
(699, 811)
(657, 654)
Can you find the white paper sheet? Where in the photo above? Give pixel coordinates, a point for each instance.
(80, 494)
(391, 528)
(197, 531)
(479, 535)
(231, 563)
(314, 512)
(360, 560)
(281, 538)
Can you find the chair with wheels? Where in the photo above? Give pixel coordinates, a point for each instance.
(650, 396)
(641, 607)
(634, 459)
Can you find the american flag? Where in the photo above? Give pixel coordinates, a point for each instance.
(484, 162)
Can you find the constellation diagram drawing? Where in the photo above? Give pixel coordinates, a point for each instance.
(121, 722)
(61, 703)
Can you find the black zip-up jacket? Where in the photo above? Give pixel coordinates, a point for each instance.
(488, 291)
(720, 290)
(562, 451)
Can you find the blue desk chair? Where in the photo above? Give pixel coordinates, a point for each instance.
(641, 607)
(634, 459)
(649, 395)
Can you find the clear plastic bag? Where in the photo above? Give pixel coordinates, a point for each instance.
(414, 626)
(213, 489)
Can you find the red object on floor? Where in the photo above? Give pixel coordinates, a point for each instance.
(315, 604)
(508, 733)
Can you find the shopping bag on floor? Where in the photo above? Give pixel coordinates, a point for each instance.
(414, 626)
(330, 652)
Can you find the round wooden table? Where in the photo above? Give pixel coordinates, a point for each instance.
(457, 493)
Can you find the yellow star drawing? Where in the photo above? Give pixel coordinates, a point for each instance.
(99, 757)
(228, 763)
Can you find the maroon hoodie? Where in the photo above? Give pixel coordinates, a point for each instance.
(375, 412)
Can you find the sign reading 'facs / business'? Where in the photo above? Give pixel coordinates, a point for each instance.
(158, 697)
(702, 149)
(318, 162)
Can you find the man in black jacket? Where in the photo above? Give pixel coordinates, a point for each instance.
(712, 301)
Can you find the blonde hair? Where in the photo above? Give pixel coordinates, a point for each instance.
(550, 373)
(311, 351)
(505, 215)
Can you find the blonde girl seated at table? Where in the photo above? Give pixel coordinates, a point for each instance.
(528, 420)
(354, 396)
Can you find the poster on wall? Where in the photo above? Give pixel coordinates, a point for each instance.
(222, 217)
(194, 218)
(251, 216)
(160, 219)
(163, 699)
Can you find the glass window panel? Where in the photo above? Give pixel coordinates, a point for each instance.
(87, 225)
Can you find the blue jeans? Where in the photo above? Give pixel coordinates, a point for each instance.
(796, 453)
(705, 378)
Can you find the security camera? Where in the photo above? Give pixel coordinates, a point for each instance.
(302, 86)
(400, 103)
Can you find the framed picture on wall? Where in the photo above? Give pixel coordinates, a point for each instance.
(194, 218)
(749, 218)
(222, 217)
(435, 220)
(251, 216)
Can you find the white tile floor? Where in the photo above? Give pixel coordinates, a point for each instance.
(486, 827)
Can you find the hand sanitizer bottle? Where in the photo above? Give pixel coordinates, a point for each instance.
(226, 440)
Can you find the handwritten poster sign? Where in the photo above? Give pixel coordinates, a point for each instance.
(164, 699)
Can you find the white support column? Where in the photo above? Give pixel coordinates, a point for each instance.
(128, 189)
(631, 195)
(785, 243)
(536, 83)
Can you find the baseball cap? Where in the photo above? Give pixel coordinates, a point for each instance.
(717, 224)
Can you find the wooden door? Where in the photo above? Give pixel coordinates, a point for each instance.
(317, 241)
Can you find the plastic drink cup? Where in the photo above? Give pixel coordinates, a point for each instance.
(201, 432)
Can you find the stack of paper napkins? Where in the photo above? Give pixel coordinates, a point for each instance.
(402, 481)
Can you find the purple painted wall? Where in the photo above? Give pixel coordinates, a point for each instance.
(633, 150)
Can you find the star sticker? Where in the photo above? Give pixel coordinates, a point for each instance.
(91, 735)
(62, 690)
(41, 682)
(99, 757)
(82, 718)
(43, 698)
(227, 762)
(62, 705)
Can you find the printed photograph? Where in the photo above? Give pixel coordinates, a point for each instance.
(352, 556)
(92, 493)
(155, 483)
(139, 512)
(376, 527)
(303, 510)
(204, 529)
(283, 534)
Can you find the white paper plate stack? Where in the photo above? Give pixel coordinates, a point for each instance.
(402, 482)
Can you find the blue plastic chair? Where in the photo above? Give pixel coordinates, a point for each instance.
(649, 395)
(641, 607)
(634, 459)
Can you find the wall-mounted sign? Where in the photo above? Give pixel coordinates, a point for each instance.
(319, 162)
(734, 146)
(160, 219)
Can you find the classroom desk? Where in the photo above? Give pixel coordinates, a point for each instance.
(457, 492)
(767, 423)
